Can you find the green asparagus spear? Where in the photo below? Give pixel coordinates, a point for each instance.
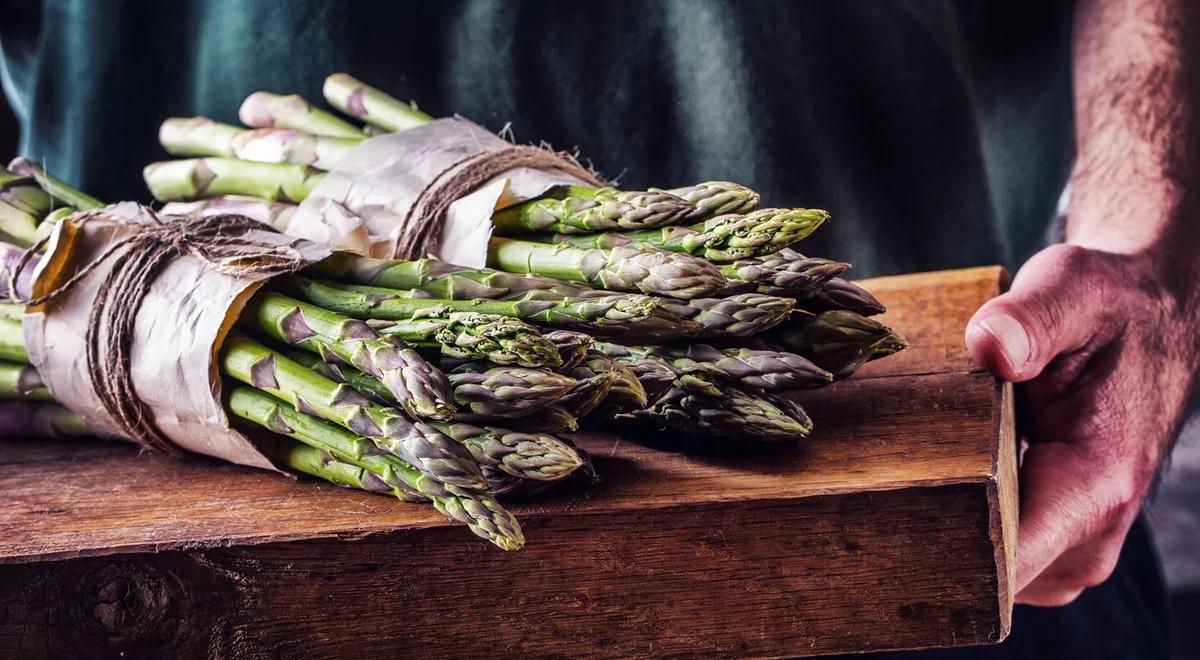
(526, 455)
(40, 419)
(197, 136)
(838, 293)
(713, 198)
(12, 342)
(59, 191)
(552, 419)
(419, 387)
(417, 443)
(267, 110)
(471, 336)
(491, 391)
(371, 105)
(731, 414)
(608, 315)
(752, 370)
(577, 210)
(620, 269)
(594, 380)
(21, 381)
(482, 514)
(451, 282)
(572, 347)
(522, 453)
(284, 145)
(23, 204)
(721, 239)
(11, 311)
(736, 316)
(785, 273)
(198, 178)
(626, 393)
(838, 341)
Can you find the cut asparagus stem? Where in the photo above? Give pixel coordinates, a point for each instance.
(608, 315)
(371, 105)
(736, 316)
(470, 336)
(284, 145)
(483, 515)
(198, 178)
(620, 269)
(712, 198)
(752, 370)
(59, 191)
(23, 204)
(275, 214)
(785, 273)
(197, 136)
(267, 110)
(526, 455)
(838, 341)
(576, 210)
(838, 293)
(21, 381)
(721, 239)
(421, 445)
(420, 388)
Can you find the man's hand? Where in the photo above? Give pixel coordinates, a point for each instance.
(1105, 346)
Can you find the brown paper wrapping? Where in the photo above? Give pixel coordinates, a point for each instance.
(184, 318)
(360, 204)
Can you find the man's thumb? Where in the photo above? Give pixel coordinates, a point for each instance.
(1053, 308)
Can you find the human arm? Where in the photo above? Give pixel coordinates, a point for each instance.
(1102, 331)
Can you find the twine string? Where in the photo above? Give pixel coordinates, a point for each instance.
(422, 225)
(220, 242)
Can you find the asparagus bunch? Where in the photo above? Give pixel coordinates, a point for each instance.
(636, 267)
(397, 429)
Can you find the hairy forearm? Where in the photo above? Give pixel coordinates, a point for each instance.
(1137, 113)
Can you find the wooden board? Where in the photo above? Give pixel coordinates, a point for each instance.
(892, 527)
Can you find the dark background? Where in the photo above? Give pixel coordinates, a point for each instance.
(8, 132)
(1175, 515)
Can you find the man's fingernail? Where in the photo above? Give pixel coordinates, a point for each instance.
(1012, 337)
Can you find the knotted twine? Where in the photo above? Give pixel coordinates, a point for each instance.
(422, 224)
(219, 242)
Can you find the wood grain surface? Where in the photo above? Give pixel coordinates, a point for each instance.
(892, 527)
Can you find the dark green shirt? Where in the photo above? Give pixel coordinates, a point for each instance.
(938, 133)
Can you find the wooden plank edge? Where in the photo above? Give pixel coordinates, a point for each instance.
(1003, 503)
(523, 514)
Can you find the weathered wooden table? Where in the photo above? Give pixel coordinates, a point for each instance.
(893, 527)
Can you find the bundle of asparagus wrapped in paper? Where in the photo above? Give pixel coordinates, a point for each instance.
(366, 398)
(656, 268)
(685, 309)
